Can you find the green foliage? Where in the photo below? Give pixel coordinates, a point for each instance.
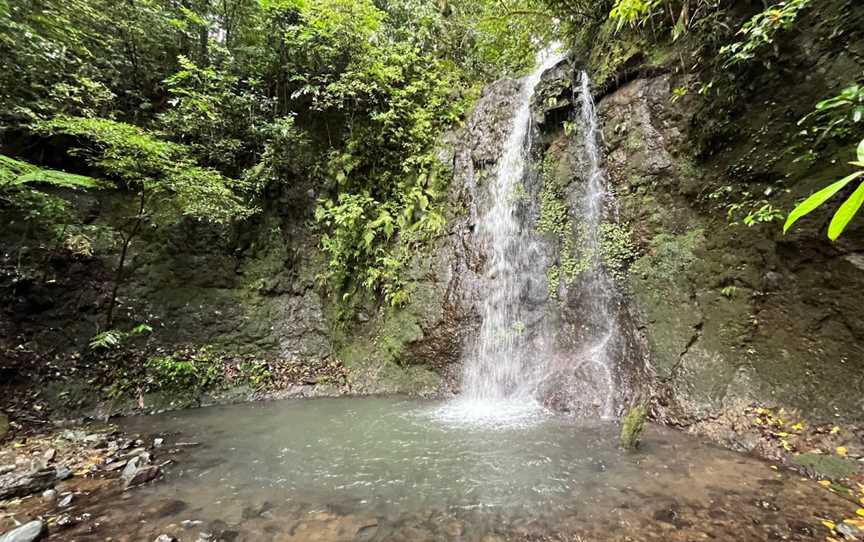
(575, 255)
(113, 338)
(754, 212)
(632, 12)
(761, 29)
(256, 374)
(161, 171)
(200, 108)
(189, 375)
(221, 119)
(837, 117)
(23, 186)
(729, 291)
(616, 248)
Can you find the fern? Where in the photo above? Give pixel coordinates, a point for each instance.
(15, 173)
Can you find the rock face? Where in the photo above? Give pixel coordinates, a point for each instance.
(733, 313)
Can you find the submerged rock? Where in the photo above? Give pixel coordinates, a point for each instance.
(826, 466)
(28, 532)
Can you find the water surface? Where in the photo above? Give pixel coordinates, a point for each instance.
(395, 469)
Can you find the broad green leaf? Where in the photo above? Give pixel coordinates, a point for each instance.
(846, 211)
(817, 199)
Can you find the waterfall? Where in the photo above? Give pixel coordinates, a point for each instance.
(597, 386)
(507, 372)
(500, 375)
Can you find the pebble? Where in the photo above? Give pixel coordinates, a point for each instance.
(25, 533)
(165, 538)
(66, 500)
(49, 495)
(64, 473)
(158, 442)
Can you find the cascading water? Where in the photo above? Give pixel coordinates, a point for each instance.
(597, 387)
(501, 374)
(507, 371)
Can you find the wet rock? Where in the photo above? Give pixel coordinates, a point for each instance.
(4, 425)
(49, 455)
(64, 473)
(29, 532)
(66, 501)
(850, 532)
(12, 487)
(144, 475)
(6, 469)
(65, 521)
(138, 471)
(158, 442)
(49, 496)
(165, 538)
(825, 466)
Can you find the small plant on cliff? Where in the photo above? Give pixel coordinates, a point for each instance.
(554, 220)
(761, 29)
(190, 375)
(113, 338)
(616, 248)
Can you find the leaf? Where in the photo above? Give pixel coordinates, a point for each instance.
(817, 199)
(842, 451)
(861, 151)
(846, 212)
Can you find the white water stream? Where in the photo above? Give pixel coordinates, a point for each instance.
(505, 369)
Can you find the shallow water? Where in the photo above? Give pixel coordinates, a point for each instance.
(398, 469)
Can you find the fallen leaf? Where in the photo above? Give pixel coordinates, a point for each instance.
(860, 512)
(835, 430)
(829, 524)
(824, 483)
(842, 451)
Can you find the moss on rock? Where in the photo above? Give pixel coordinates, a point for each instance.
(632, 426)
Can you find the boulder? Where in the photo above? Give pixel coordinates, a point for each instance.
(28, 532)
(12, 487)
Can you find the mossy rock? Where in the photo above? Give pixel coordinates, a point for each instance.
(4, 425)
(632, 426)
(829, 467)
